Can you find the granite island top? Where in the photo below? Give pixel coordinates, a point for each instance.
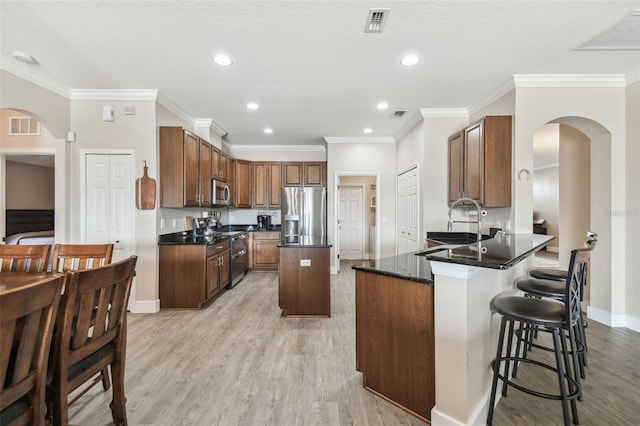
(307, 241)
(500, 252)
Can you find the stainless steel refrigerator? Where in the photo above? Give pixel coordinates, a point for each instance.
(304, 212)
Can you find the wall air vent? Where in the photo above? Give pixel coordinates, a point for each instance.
(375, 20)
(398, 114)
(625, 35)
(24, 126)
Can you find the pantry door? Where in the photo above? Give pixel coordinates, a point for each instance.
(109, 202)
(407, 232)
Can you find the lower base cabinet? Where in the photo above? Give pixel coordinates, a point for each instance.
(264, 250)
(191, 275)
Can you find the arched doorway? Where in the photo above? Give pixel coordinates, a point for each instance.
(584, 199)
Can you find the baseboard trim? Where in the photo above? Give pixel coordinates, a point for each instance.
(605, 317)
(553, 249)
(145, 306)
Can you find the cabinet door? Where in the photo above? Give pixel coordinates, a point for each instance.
(314, 174)
(213, 278)
(473, 162)
(265, 253)
(242, 184)
(456, 168)
(260, 180)
(293, 174)
(205, 173)
(231, 181)
(275, 184)
(225, 263)
(224, 173)
(191, 172)
(215, 163)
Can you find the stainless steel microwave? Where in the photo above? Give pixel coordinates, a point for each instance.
(220, 193)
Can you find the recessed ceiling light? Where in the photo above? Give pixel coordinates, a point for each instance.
(222, 59)
(23, 57)
(382, 105)
(409, 60)
(252, 105)
(367, 130)
(268, 130)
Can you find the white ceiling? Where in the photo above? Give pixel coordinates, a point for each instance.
(309, 64)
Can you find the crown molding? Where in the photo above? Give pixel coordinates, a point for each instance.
(114, 95)
(8, 64)
(406, 128)
(492, 96)
(305, 148)
(209, 124)
(174, 108)
(569, 80)
(359, 139)
(444, 112)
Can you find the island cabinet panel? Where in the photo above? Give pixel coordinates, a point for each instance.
(304, 282)
(395, 341)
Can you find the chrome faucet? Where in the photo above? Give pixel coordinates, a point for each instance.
(461, 199)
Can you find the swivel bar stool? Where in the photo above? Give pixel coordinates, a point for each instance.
(557, 318)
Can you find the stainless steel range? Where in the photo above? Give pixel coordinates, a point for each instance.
(239, 257)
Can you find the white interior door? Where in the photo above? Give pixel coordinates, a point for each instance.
(109, 202)
(407, 205)
(351, 222)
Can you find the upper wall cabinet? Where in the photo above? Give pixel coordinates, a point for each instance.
(242, 184)
(480, 162)
(185, 169)
(305, 174)
(219, 165)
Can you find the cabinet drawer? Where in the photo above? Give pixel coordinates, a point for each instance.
(217, 248)
(266, 235)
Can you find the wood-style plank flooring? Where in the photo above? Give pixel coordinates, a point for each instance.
(238, 362)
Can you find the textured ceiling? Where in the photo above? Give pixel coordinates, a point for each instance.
(309, 64)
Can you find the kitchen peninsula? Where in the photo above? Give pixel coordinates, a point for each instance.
(425, 331)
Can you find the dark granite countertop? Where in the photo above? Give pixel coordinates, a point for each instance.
(407, 266)
(500, 252)
(307, 241)
(187, 238)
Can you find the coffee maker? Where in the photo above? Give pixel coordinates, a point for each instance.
(264, 221)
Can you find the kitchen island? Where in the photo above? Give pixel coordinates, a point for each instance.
(425, 330)
(304, 284)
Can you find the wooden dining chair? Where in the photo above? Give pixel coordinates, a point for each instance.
(75, 257)
(91, 335)
(27, 317)
(24, 258)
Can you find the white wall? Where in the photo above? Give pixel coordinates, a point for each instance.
(632, 213)
(127, 132)
(360, 157)
(536, 106)
(575, 191)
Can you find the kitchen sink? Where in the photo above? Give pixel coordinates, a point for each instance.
(453, 238)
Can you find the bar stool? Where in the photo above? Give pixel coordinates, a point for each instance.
(550, 315)
(554, 287)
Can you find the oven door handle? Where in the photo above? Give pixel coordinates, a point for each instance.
(239, 253)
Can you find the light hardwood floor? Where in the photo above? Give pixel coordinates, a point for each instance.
(238, 362)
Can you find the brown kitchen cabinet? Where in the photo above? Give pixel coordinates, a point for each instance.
(297, 173)
(264, 250)
(315, 174)
(267, 184)
(185, 169)
(242, 184)
(191, 275)
(304, 282)
(219, 165)
(480, 162)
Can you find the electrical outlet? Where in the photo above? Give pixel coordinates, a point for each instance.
(175, 223)
(163, 224)
(305, 262)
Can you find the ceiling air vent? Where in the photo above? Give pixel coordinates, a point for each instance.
(376, 20)
(398, 114)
